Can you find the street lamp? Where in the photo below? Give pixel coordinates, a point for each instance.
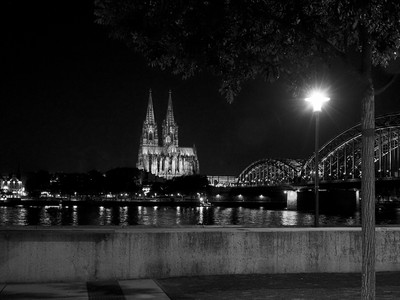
(317, 99)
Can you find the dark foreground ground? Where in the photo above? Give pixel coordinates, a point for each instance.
(275, 286)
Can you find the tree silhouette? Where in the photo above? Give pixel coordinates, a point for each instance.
(122, 180)
(188, 185)
(37, 182)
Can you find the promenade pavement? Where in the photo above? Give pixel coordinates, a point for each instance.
(255, 286)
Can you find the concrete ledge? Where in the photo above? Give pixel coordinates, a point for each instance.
(104, 253)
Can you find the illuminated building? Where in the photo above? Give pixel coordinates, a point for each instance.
(222, 181)
(11, 187)
(167, 160)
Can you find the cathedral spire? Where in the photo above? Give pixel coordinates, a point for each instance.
(150, 111)
(149, 132)
(170, 112)
(170, 128)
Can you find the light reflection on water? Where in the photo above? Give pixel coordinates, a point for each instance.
(75, 215)
(170, 216)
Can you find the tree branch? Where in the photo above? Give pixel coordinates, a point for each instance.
(310, 34)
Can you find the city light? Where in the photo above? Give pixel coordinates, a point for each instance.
(317, 99)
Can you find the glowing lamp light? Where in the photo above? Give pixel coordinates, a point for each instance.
(317, 99)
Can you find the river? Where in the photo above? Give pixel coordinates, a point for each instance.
(165, 216)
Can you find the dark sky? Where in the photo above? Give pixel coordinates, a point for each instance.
(73, 100)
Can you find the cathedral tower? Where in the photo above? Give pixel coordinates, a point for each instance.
(167, 160)
(169, 127)
(149, 131)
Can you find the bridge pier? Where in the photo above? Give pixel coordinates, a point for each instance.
(330, 200)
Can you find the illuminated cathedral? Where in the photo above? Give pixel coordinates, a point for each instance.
(164, 158)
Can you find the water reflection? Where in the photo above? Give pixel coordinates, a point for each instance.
(123, 215)
(89, 215)
(75, 215)
(4, 215)
(178, 215)
(199, 210)
(171, 216)
(133, 216)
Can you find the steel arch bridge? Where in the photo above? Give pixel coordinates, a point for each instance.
(340, 159)
(271, 172)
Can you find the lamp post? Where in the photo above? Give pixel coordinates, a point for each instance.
(317, 99)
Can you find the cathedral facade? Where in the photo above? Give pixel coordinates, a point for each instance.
(162, 156)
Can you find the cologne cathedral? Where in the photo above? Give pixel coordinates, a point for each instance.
(164, 158)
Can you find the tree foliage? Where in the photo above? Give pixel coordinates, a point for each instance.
(122, 180)
(37, 182)
(92, 183)
(240, 40)
(188, 185)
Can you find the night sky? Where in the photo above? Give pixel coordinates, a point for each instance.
(73, 100)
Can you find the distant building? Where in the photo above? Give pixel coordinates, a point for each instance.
(164, 158)
(222, 181)
(11, 186)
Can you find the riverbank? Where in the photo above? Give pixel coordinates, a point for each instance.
(141, 202)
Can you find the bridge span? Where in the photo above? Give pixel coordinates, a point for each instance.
(340, 160)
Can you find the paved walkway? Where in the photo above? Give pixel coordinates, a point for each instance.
(260, 286)
(95, 290)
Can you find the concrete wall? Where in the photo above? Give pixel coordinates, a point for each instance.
(74, 254)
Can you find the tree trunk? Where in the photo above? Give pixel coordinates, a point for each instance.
(368, 193)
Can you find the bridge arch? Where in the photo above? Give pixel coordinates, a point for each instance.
(269, 171)
(340, 158)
